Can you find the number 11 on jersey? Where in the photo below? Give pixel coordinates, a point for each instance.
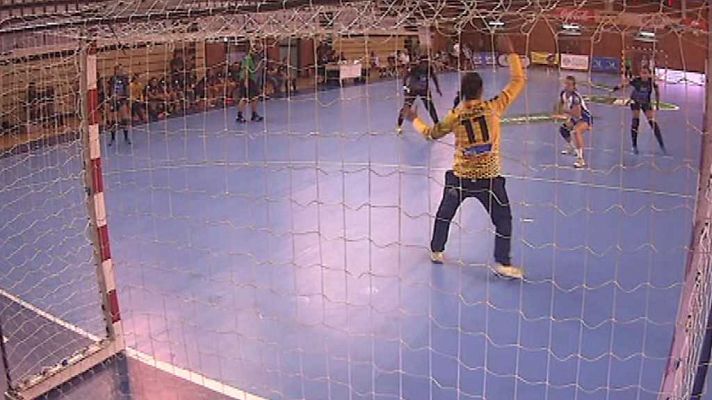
(478, 136)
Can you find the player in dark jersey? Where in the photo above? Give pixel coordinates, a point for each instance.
(417, 83)
(119, 103)
(644, 87)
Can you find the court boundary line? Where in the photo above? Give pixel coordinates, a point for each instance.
(193, 377)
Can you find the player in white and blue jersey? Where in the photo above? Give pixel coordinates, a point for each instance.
(579, 120)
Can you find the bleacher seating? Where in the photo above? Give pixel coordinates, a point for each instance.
(360, 47)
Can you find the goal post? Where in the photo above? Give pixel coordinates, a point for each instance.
(100, 348)
(686, 370)
(234, 180)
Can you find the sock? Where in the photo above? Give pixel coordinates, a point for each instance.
(658, 134)
(579, 153)
(634, 131)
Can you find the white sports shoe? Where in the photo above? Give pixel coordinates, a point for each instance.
(437, 257)
(568, 152)
(579, 163)
(509, 271)
(399, 130)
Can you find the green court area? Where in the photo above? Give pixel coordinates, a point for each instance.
(606, 100)
(625, 102)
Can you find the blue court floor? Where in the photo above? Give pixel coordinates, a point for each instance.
(289, 258)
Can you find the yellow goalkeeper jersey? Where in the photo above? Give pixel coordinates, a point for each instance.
(476, 124)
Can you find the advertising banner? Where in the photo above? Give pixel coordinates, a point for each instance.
(544, 58)
(503, 60)
(606, 64)
(572, 14)
(676, 76)
(574, 61)
(348, 71)
(483, 58)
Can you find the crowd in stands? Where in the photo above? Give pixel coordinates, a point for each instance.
(179, 91)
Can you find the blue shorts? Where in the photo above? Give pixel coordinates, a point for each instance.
(585, 117)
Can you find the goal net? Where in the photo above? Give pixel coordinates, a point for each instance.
(51, 300)
(280, 247)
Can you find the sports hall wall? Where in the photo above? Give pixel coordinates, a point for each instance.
(685, 51)
(675, 51)
(58, 70)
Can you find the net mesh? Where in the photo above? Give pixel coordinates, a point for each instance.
(47, 258)
(289, 257)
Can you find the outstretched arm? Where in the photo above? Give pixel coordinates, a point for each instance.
(517, 78)
(437, 131)
(625, 82)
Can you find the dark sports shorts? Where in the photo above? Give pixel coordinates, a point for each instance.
(116, 104)
(641, 105)
(411, 94)
(249, 91)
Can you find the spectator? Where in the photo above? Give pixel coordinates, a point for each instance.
(274, 77)
(33, 103)
(138, 103)
(392, 69)
(233, 80)
(176, 96)
(209, 89)
(290, 76)
(119, 103)
(177, 65)
(403, 58)
(155, 98)
(376, 64)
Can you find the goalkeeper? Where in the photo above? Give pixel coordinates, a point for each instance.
(477, 168)
(417, 83)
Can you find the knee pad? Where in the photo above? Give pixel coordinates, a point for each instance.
(565, 132)
(635, 123)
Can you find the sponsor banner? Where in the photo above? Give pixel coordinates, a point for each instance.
(483, 58)
(606, 64)
(574, 61)
(544, 58)
(503, 60)
(676, 76)
(349, 71)
(575, 14)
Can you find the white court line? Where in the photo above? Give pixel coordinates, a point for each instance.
(182, 373)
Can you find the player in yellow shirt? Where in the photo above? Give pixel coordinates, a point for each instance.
(476, 170)
(137, 100)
